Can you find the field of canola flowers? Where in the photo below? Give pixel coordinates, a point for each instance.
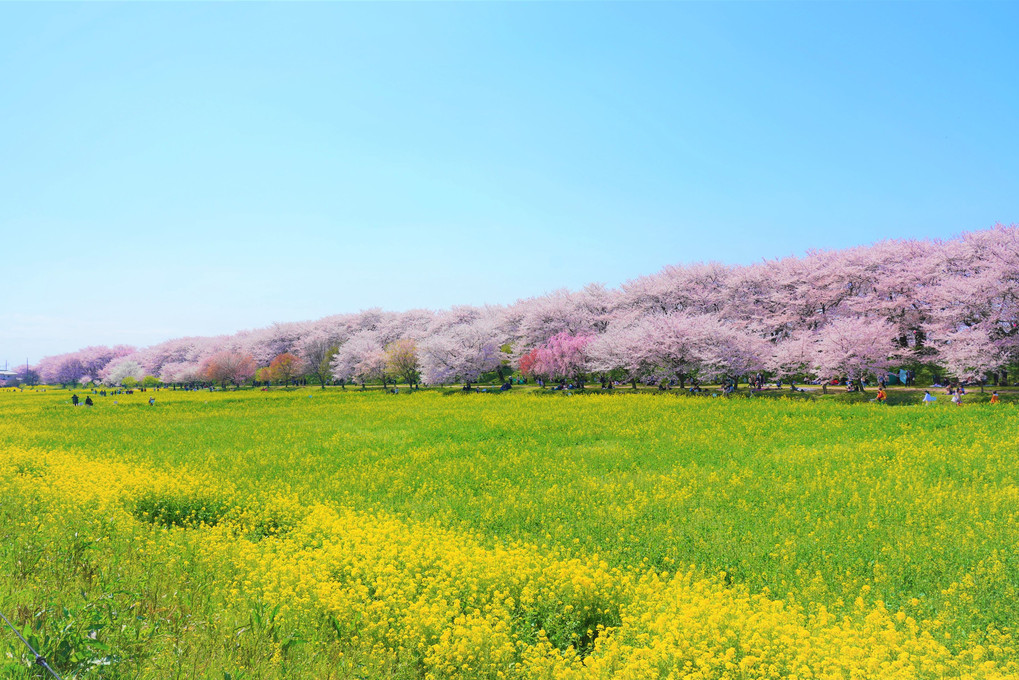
(331, 534)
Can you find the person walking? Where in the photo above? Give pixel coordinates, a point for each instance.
(957, 397)
(994, 397)
(74, 399)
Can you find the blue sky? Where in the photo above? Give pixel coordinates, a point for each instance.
(177, 169)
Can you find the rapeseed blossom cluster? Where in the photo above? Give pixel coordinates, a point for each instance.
(453, 603)
(516, 536)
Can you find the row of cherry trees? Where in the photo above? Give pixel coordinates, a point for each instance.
(952, 305)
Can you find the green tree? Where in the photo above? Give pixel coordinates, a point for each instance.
(318, 356)
(402, 360)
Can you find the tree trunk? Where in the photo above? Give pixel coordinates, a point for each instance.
(824, 387)
(633, 382)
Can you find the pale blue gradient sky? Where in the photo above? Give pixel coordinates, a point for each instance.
(176, 169)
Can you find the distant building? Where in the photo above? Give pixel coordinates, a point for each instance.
(7, 375)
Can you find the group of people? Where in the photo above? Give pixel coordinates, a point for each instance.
(956, 396)
(75, 401)
(955, 392)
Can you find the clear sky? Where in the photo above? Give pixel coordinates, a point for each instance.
(178, 169)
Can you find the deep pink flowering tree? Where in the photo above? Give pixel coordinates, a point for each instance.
(563, 357)
(530, 365)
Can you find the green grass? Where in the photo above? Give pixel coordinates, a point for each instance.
(815, 500)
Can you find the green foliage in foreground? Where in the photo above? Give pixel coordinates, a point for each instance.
(816, 502)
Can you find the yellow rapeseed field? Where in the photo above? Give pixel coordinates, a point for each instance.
(333, 534)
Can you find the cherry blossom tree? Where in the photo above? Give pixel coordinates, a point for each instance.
(970, 354)
(617, 350)
(361, 359)
(655, 347)
(531, 322)
(694, 289)
(229, 366)
(95, 359)
(461, 352)
(729, 352)
(947, 305)
(180, 373)
(674, 344)
(63, 369)
(265, 344)
(795, 355)
(84, 365)
(980, 291)
(855, 347)
(117, 371)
